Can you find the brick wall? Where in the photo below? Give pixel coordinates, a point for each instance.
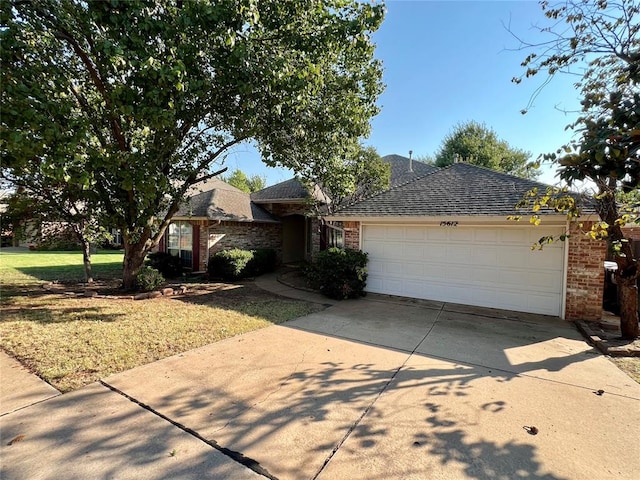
(281, 209)
(585, 275)
(352, 235)
(245, 236)
(202, 247)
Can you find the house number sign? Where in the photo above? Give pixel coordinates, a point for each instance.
(449, 224)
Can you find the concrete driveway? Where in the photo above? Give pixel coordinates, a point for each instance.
(367, 389)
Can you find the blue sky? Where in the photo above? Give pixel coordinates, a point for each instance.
(447, 62)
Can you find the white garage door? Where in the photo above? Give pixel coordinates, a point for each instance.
(484, 266)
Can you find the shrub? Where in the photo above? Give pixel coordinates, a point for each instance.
(148, 278)
(229, 264)
(168, 265)
(339, 273)
(236, 264)
(264, 260)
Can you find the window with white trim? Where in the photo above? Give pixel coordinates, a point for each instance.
(180, 242)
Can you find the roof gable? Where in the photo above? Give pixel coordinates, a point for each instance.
(224, 204)
(292, 190)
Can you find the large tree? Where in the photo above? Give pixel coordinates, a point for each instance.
(145, 96)
(480, 145)
(600, 41)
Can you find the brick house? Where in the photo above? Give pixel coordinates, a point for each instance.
(445, 236)
(218, 216)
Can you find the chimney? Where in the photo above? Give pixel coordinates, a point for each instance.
(410, 161)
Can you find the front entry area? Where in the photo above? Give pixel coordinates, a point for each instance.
(294, 233)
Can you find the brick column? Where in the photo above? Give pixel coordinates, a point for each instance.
(352, 235)
(204, 251)
(585, 275)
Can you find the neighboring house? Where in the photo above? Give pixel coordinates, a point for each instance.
(445, 236)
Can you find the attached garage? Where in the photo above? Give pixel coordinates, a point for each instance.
(445, 236)
(488, 266)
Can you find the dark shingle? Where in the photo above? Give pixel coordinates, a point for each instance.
(460, 189)
(224, 204)
(292, 190)
(400, 169)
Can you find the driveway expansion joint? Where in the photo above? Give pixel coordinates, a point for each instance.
(370, 406)
(247, 462)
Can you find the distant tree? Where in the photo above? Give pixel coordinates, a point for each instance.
(427, 159)
(603, 39)
(143, 97)
(59, 203)
(251, 184)
(478, 144)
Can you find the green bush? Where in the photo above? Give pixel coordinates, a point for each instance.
(264, 260)
(168, 265)
(236, 264)
(339, 273)
(148, 278)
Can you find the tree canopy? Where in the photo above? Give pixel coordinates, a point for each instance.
(137, 100)
(248, 184)
(600, 41)
(480, 145)
(361, 174)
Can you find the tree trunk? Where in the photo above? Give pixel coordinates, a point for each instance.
(86, 259)
(628, 299)
(86, 252)
(133, 260)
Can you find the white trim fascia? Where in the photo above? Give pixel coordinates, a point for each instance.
(565, 272)
(463, 220)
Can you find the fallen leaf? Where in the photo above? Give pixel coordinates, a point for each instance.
(17, 439)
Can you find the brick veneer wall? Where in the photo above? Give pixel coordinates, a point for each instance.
(352, 235)
(585, 275)
(245, 236)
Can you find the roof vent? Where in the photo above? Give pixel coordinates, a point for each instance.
(410, 161)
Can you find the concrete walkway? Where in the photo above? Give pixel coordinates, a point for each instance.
(20, 388)
(366, 389)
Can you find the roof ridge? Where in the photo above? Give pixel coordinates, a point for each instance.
(503, 174)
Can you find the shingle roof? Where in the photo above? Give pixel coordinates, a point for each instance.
(224, 204)
(290, 190)
(400, 169)
(210, 184)
(459, 189)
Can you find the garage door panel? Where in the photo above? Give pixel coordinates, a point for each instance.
(486, 235)
(490, 267)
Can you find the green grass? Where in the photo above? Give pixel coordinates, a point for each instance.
(629, 365)
(19, 268)
(71, 340)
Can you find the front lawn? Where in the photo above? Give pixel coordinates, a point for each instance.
(71, 340)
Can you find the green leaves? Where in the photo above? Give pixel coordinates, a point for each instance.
(478, 144)
(152, 93)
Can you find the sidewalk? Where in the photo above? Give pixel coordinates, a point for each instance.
(271, 283)
(19, 387)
